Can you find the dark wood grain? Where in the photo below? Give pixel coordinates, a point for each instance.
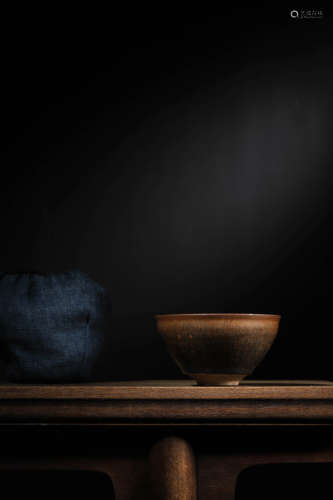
(170, 389)
(167, 403)
(220, 432)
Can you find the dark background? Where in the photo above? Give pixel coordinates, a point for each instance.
(183, 159)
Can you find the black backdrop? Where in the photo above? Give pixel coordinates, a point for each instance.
(183, 160)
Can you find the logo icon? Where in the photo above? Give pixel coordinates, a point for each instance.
(306, 14)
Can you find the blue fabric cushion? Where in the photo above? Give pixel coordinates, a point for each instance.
(52, 327)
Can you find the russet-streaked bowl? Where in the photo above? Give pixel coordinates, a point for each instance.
(218, 349)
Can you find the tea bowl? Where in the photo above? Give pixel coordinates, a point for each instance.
(218, 349)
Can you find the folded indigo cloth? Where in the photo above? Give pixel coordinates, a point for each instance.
(52, 327)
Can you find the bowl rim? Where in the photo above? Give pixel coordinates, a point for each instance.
(218, 316)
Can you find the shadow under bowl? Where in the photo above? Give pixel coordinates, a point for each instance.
(218, 349)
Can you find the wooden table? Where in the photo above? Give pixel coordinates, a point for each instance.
(166, 439)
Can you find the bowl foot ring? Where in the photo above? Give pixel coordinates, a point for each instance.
(217, 378)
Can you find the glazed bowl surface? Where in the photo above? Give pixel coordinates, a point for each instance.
(218, 348)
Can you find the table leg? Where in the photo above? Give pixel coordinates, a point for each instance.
(172, 469)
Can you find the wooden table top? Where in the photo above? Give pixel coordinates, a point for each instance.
(171, 389)
(178, 402)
